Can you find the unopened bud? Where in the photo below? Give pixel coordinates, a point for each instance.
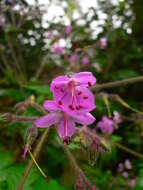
(32, 99)
(31, 135)
(93, 151)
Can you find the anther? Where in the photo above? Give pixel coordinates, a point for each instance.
(89, 84)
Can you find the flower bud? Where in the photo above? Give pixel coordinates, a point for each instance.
(93, 151)
(31, 135)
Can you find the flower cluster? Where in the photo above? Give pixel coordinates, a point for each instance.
(72, 103)
(125, 169)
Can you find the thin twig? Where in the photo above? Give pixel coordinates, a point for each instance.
(130, 151)
(124, 82)
(37, 165)
(35, 155)
(13, 19)
(13, 53)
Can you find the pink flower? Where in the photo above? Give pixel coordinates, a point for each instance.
(74, 58)
(85, 60)
(72, 94)
(120, 167)
(128, 164)
(68, 30)
(125, 175)
(103, 43)
(2, 22)
(57, 49)
(117, 119)
(132, 182)
(64, 121)
(106, 125)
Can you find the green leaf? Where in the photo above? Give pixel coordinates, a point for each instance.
(44, 90)
(6, 159)
(52, 184)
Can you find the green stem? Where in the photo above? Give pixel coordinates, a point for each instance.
(124, 82)
(35, 155)
(130, 151)
(77, 168)
(37, 165)
(118, 145)
(106, 101)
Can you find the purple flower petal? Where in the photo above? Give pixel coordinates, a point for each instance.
(85, 60)
(106, 125)
(80, 100)
(84, 99)
(68, 30)
(85, 78)
(66, 128)
(84, 119)
(50, 105)
(48, 120)
(59, 83)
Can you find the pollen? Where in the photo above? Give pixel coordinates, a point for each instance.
(71, 107)
(56, 87)
(60, 103)
(62, 90)
(85, 97)
(89, 84)
(79, 93)
(77, 107)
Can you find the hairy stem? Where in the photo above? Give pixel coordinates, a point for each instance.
(77, 168)
(35, 155)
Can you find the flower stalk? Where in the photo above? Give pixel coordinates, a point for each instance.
(77, 168)
(35, 156)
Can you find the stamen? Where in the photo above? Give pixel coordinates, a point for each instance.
(62, 90)
(71, 107)
(72, 94)
(65, 125)
(85, 97)
(60, 103)
(77, 107)
(79, 93)
(56, 87)
(89, 84)
(72, 87)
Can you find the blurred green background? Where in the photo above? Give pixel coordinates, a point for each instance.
(35, 46)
